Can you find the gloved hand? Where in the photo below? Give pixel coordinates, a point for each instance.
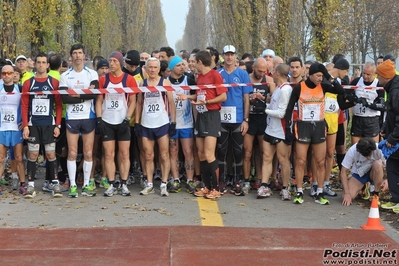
(323, 70)
(362, 101)
(351, 97)
(172, 129)
(124, 126)
(100, 125)
(289, 136)
(137, 130)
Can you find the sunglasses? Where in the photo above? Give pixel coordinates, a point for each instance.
(7, 73)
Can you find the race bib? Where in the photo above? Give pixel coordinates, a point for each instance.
(41, 107)
(114, 101)
(8, 116)
(179, 105)
(311, 112)
(152, 105)
(228, 114)
(201, 108)
(331, 105)
(77, 108)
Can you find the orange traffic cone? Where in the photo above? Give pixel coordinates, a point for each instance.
(373, 222)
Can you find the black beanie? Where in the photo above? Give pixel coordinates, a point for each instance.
(314, 68)
(342, 64)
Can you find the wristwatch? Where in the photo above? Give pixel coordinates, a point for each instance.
(59, 126)
(246, 119)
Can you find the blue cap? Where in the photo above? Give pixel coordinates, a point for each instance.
(174, 61)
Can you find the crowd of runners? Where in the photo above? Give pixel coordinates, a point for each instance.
(280, 126)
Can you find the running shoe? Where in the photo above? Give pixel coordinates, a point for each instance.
(30, 193)
(143, 182)
(395, 210)
(92, 184)
(191, 187)
(264, 192)
(313, 190)
(164, 190)
(3, 181)
(47, 187)
(298, 199)
(306, 184)
(256, 184)
(236, 189)
(73, 192)
(213, 194)
(366, 191)
(285, 194)
(321, 199)
(88, 191)
(56, 191)
(201, 193)
(390, 205)
(124, 191)
(23, 190)
(110, 191)
(175, 186)
(130, 179)
(147, 190)
(328, 191)
(14, 183)
(104, 183)
(222, 188)
(246, 187)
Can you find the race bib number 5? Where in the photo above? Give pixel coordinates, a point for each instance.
(311, 112)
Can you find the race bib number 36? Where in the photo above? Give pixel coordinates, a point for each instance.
(41, 107)
(228, 114)
(114, 101)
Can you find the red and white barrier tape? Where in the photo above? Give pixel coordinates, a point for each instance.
(165, 89)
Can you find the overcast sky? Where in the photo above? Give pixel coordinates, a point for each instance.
(174, 14)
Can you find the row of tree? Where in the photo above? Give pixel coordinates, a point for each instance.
(362, 28)
(30, 26)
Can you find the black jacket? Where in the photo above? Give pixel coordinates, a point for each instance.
(391, 125)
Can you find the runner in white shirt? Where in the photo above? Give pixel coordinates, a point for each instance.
(80, 119)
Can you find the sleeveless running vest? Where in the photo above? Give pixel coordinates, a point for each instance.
(311, 103)
(114, 107)
(154, 113)
(10, 109)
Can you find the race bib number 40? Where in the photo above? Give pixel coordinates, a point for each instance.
(228, 114)
(41, 107)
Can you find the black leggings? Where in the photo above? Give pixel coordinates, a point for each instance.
(230, 132)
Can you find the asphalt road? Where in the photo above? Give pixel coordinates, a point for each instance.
(178, 209)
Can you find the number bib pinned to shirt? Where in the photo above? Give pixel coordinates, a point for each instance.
(152, 105)
(8, 116)
(114, 101)
(228, 114)
(331, 105)
(311, 112)
(201, 108)
(41, 107)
